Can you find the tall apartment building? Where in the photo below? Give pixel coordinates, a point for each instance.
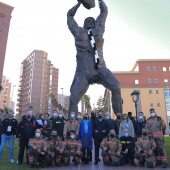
(5, 100)
(150, 77)
(66, 101)
(38, 78)
(5, 17)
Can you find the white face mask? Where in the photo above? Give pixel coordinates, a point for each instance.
(126, 134)
(78, 117)
(72, 115)
(37, 135)
(152, 114)
(60, 115)
(72, 136)
(54, 114)
(140, 117)
(107, 117)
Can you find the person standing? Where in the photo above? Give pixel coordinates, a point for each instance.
(126, 124)
(25, 131)
(1, 127)
(9, 131)
(59, 124)
(110, 121)
(55, 115)
(101, 129)
(86, 137)
(157, 127)
(79, 118)
(140, 124)
(117, 123)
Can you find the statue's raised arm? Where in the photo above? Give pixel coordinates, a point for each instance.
(72, 24)
(101, 19)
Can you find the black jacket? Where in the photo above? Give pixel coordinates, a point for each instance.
(139, 127)
(111, 123)
(59, 125)
(26, 129)
(127, 143)
(100, 126)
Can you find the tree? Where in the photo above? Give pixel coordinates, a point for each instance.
(100, 104)
(1, 88)
(87, 103)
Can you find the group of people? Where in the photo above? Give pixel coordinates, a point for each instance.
(56, 139)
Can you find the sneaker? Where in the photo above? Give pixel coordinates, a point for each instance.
(12, 161)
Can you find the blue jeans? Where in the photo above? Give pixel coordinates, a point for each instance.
(4, 139)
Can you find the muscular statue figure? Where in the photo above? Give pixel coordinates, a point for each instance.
(91, 67)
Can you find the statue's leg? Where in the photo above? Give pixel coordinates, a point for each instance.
(78, 89)
(108, 80)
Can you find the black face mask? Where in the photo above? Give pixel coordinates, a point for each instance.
(28, 117)
(85, 118)
(118, 117)
(99, 117)
(144, 134)
(53, 136)
(112, 135)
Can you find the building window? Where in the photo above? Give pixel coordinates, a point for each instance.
(158, 105)
(149, 81)
(147, 68)
(154, 68)
(150, 91)
(136, 81)
(165, 81)
(151, 104)
(164, 68)
(157, 91)
(155, 80)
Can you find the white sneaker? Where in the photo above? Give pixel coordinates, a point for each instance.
(12, 161)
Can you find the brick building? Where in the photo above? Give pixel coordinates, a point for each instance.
(151, 77)
(5, 17)
(38, 78)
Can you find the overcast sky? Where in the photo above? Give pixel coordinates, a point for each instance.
(135, 29)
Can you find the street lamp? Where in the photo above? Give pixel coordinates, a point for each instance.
(135, 97)
(62, 99)
(12, 95)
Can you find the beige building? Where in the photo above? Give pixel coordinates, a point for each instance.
(38, 78)
(5, 93)
(65, 100)
(151, 78)
(5, 17)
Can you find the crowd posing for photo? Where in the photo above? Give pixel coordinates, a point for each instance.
(54, 140)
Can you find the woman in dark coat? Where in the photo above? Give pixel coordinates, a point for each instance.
(86, 136)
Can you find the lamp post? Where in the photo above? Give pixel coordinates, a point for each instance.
(62, 99)
(135, 97)
(12, 95)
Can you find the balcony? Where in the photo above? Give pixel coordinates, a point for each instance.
(20, 94)
(19, 104)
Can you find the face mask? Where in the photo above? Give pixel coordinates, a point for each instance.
(72, 115)
(107, 117)
(152, 114)
(60, 115)
(72, 136)
(126, 134)
(78, 117)
(30, 111)
(54, 114)
(144, 134)
(140, 117)
(28, 117)
(53, 136)
(37, 135)
(118, 117)
(112, 135)
(85, 118)
(10, 114)
(99, 116)
(125, 118)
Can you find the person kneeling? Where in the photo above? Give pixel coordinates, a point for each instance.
(71, 147)
(128, 148)
(37, 150)
(145, 150)
(54, 145)
(111, 149)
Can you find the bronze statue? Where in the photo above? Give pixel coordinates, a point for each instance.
(91, 67)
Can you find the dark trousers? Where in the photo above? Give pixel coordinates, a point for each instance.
(22, 145)
(128, 156)
(97, 147)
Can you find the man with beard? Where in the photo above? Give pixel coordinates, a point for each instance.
(26, 130)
